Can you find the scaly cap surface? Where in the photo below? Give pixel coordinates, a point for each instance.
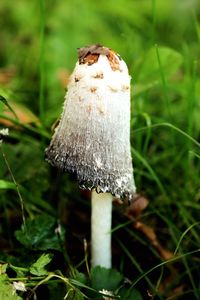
(93, 136)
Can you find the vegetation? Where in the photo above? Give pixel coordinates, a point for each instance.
(44, 216)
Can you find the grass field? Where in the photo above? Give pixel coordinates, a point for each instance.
(44, 216)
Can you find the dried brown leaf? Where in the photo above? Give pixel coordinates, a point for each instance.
(137, 205)
(24, 115)
(63, 77)
(151, 236)
(6, 75)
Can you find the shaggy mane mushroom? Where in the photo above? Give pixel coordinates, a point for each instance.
(92, 139)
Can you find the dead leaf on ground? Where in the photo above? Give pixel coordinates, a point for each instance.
(7, 74)
(151, 236)
(133, 211)
(63, 76)
(177, 291)
(137, 205)
(23, 114)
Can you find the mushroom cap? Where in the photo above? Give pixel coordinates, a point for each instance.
(92, 139)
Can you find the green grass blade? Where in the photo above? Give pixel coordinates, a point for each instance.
(149, 168)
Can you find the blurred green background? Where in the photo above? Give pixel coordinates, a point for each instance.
(160, 42)
(48, 33)
(158, 39)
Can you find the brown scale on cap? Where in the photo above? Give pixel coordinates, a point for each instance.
(113, 61)
(90, 55)
(98, 75)
(93, 89)
(89, 109)
(125, 87)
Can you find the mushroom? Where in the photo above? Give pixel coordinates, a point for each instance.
(92, 139)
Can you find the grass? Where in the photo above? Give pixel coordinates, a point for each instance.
(44, 217)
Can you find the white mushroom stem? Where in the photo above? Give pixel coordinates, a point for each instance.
(101, 229)
(92, 139)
